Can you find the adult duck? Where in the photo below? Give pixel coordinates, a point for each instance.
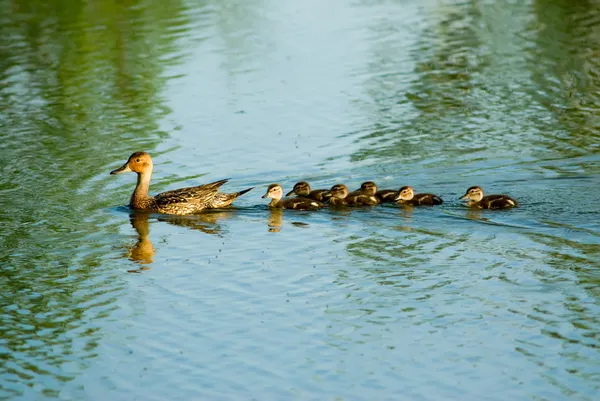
(178, 201)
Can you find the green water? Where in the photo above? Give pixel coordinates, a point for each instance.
(386, 303)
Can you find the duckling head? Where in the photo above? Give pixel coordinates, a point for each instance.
(474, 193)
(274, 192)
(339, 191)
(301, 189)
(138, 162)
(405, 193)
(368, 188)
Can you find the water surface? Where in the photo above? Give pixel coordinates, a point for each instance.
(384, 303)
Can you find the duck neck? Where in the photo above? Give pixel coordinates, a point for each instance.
(140, 194)
(274, 202)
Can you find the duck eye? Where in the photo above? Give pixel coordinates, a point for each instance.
(137, 160)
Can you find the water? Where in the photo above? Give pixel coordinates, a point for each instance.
(434, 303)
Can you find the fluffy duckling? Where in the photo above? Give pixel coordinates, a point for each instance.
(475, 198)
(365, 195)
(407, 196)
(340, 196)
(178, 201)
(302, 189)
(275, 192)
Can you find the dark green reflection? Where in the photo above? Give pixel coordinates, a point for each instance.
(486, 86)
(417, 113)
(81, 88)
(565, 62)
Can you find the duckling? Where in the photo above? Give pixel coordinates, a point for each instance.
(365, 195)
(341, 197)
(178, 201)
(338, 194)
(477, 200)
(302, 189)
(275, 192)
(407, 196)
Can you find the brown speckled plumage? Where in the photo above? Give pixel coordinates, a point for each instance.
(386, 195)
(179, 201)
(340, 197)
(222, 200)
(275, 192)
(364, 196)
(477, 200)
(407, 196)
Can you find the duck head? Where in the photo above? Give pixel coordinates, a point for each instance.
(405, 193)
(339, 191)
(301, 189)
(274, 192)
(138, 162)
(368, 188)
(474, 193)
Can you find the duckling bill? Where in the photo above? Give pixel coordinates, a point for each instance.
(476, 199)
(178, 201)
(275, 192)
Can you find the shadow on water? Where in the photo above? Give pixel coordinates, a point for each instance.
(81, 87)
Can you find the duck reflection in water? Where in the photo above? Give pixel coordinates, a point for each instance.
(207, 221)
(476, 214)
(143, 250)
(275, 220)
(407, 211)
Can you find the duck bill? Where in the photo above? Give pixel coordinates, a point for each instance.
(265, 195)
(123, 169)
(464, 197)
(289, 193)
(397, 198)
(327, 195)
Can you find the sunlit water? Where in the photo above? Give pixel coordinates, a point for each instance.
(373, 304)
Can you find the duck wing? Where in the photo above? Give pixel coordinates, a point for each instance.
(300, 203)
(427, 199)
(362, 200)
(200, 194)
(222, 199)
(386, 195)
(498, 202)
